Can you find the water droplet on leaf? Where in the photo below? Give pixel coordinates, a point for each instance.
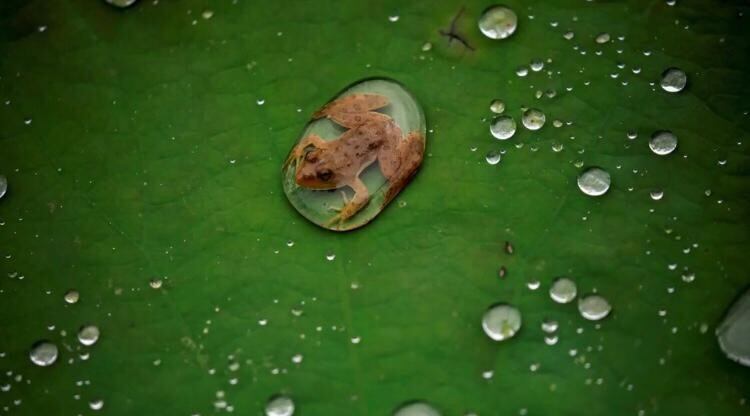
(594, 181)
(501, 321)
(498, 22)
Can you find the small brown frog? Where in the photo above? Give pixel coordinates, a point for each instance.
(371, 137)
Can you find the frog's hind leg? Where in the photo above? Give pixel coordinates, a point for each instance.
(298, 152)
(399, 165)
(351, 206)
(354, 110)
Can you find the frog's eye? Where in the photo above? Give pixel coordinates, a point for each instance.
(324, 175)
(311, 157)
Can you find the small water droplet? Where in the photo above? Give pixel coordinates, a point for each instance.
(673, 80)
(522, 71)
(416, 409)
(155, 283)
(43, 353)
(657, 195)
(330, 256)
(297, 358)
(537, 65)
(71, 296)
(498, 22)
(503, 127)
(393, 18)
(207, 14)
(427, 46)
(569, 35)
(497, 106)
(260, 101)
(88, 335)
(280, 406)
(551, 339)
(594, 181)
(96, 404)
(632, 134)
(501, 321)
(3, 186)
(563, 290)
(493, 157)
(602, 38)
(594, 307)
(121, 3)
(663, 142)
(290, 243)
(549, 326)
(533, 284)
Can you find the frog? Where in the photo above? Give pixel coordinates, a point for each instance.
(370, 137)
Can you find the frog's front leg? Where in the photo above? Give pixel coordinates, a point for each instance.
(353, 205)
(298, 152)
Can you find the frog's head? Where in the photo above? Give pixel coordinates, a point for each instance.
(315, 172)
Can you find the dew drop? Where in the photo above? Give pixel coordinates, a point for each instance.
(416, 409)
(88, 335)
(563, 290)
(71, 296)
(537, 65)
(569, 35)
(663, 142)
(549, 326)
(96, 404)
(121, 3)
(594, 181)
(427, 46)
(501, 321)
(673, 80)
(3, 186)
(43, 353)
(498, 22)
(155, 283)
(602, 38)
(280, 406)
(657, 195)
(497, 106)
(330, 256)
(533, 119)
(594, 307)
(393, 18)
(522, 71)
(503, 127)
(493, 157)
(551, 340)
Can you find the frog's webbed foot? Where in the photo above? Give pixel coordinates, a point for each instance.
(354, 110)
(351, 206)
(298, 152)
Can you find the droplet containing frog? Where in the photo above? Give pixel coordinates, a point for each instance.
(366, 145)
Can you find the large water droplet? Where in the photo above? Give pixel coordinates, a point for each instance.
(673, 80)
(563, 290)
(501, 321)
(602, 38)
(498, 22)
(121, 3)
(43, 353)
(503, 127)
(3, 186)
(280, 406)
(663, 142)
(416, 409)
(594, 181)
(533, 119)
(88, 335)
(497, 106)
(734, 331)
(594, 307)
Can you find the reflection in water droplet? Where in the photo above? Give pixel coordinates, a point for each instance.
(71, 296)
(563, 290)
(663, 142)
(43, 353)
(121, 3)
(657, 195)
(493, 157)
(497, 106)
(3, 185)
(88, 335)
(280, 406)
(503, 127)
(498, 22)
(602, 38)
(533, 119)
(594, 181)
(416, 409)
(673, 80)
(594, 307)
(501, 321)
